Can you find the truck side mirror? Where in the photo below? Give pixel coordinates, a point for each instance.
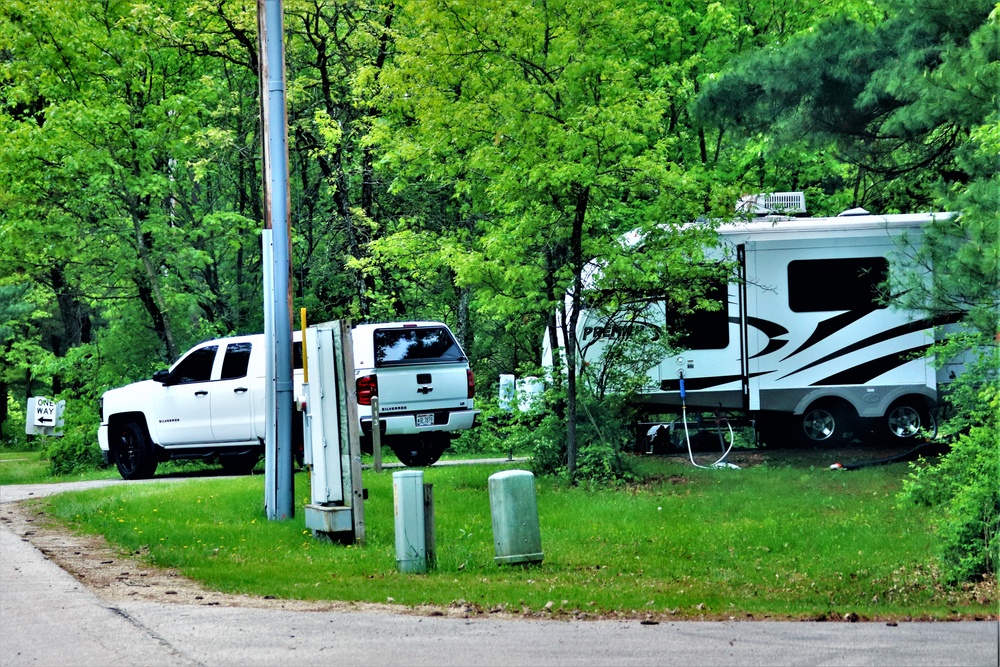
(162, 376)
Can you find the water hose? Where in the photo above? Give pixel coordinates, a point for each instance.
(687, 436)
(905, 456)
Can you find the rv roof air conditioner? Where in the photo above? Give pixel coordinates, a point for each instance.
(773, 203)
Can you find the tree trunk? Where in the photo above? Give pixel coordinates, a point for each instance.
(552, 328)
(150, 292)
(582, 195)
(462, 330)
(74, 318)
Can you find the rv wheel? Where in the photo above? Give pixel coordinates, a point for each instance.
(824, 424)
(908, 417)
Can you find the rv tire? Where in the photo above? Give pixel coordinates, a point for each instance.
(907, 418)
(825, 424)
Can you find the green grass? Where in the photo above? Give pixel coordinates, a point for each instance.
(33, 467)
(760, 542)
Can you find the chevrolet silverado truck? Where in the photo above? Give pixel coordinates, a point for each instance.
(210, 403)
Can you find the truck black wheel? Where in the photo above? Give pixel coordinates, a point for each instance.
(908, 417)
(133, 451)
(239, 464)
(420, 451)
(298, 441)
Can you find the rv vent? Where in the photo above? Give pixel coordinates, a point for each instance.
(852, 212)
(783, 203)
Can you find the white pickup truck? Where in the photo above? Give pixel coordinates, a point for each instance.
(210, 403)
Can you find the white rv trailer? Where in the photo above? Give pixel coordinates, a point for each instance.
(802, 346)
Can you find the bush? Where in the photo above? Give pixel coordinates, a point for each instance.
(963, 490)
(70, 455)
(77, 448)
(603, 432)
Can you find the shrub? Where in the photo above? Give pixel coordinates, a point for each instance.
(603, 432)
(77, 448)
(70, 455)
(964, 491)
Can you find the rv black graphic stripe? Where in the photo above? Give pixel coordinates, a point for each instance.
(829, 327)
(869, 370)
(772, 330)
(882, 336)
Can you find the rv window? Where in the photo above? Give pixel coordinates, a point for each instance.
(704, 329)
(818, 285)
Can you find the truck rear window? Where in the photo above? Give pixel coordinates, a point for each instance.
(415, 345)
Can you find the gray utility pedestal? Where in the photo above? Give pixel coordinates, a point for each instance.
(516, 535)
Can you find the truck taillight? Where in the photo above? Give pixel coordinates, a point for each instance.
(472, 383)
(367, 387)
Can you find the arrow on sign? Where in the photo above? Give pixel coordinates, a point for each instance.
(42, 420)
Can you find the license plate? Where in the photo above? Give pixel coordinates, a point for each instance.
(425, 420)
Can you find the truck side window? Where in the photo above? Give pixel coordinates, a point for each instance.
(196, 367)
(820, 285)
(236, 361)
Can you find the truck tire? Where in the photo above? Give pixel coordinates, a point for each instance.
(133, 451)
(419, 451)
(239, 464)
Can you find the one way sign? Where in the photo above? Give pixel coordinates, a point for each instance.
(44, 416)
(45, 412)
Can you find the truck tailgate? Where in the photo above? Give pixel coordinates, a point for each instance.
(422, 387)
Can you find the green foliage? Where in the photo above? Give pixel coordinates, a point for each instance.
(963, 491)
(77, 449)
(73, 454)
(605, 433)
(895, 96)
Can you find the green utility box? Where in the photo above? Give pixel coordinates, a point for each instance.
(516, 536)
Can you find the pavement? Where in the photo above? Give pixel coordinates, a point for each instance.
(47, 617)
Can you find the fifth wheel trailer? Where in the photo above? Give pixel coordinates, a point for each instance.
(802, 343)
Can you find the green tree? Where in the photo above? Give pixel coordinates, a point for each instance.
(559, 126)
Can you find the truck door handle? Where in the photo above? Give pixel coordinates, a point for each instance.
(201, 393)
(240, 390)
